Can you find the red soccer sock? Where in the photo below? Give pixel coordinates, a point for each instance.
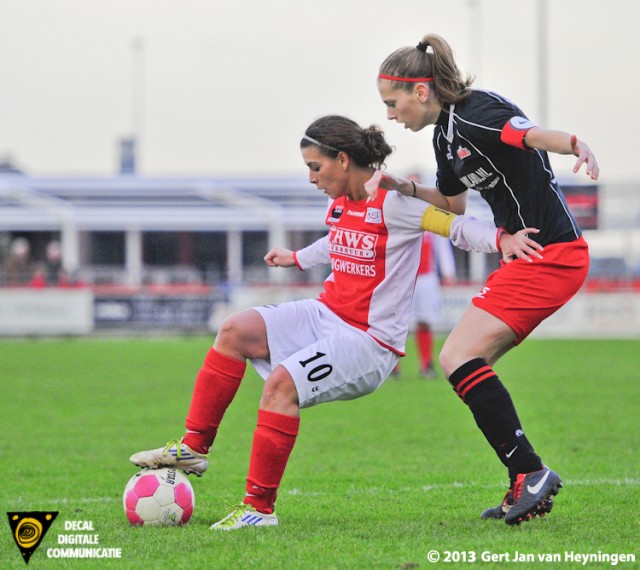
(273, 440)
(424, 340)
(216, 385)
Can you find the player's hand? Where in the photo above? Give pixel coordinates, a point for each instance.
(384, 180)
(585, 156)
(279, 257)
(520, 246)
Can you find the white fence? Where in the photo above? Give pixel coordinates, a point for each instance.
(587, 315)
(51, 312)
(46, 312)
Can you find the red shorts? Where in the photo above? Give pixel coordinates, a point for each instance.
(522, 294)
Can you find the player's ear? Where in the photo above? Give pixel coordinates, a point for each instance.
(343, 157)
(422, 91)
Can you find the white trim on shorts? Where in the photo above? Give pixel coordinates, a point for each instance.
(327, 358)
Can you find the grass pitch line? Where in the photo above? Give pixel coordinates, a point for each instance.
(68, 501)
(624, 482)
(457, 485)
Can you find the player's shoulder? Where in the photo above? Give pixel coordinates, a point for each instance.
(481, 97)
(484, 110)
(490, 102)
(398, 206)
(390, 197)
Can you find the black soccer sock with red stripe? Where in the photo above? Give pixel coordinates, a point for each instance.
(479, 387)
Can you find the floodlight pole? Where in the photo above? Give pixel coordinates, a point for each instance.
(137, 92)
(543, 63)
(475, 38)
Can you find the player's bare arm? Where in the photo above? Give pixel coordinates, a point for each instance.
(279, 257)
(520, 245)
(387, 181)
(561, 142)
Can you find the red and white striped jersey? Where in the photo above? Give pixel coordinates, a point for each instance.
(374, 252)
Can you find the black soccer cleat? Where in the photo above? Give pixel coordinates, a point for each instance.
(532, 493)
(499, 512)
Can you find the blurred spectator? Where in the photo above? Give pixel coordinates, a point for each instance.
(51, 273)
(39, 279)
(54, 274)
(18, 268)
(437, 266)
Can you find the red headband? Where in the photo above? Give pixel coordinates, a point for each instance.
(406, 79)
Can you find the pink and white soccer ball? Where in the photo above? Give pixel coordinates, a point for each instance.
(159, 497)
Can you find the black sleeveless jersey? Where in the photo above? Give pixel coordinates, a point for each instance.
(517, 183)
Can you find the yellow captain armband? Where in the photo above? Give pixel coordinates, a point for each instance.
(437, 221)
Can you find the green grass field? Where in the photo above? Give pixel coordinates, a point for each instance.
(373, 483)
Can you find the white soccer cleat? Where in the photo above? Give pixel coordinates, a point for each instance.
(242, 515)
(174, 454)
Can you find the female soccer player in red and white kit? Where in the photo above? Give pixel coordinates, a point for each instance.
(340, 346)
(484, 142)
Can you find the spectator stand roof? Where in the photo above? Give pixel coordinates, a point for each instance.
(158, 204)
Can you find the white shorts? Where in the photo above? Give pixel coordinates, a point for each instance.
(426, 299)
(327, 358)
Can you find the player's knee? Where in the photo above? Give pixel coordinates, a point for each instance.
(449, 359)
(279, 393)
(239, 334)
(444, 363)
(230, 330)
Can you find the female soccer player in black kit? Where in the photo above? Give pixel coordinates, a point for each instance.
(484, 142)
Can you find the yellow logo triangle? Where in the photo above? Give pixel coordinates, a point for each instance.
(29, 528)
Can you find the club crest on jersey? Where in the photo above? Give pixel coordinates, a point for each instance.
(351, 243)
(463, 152)
(335, 214)
(374, 216)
